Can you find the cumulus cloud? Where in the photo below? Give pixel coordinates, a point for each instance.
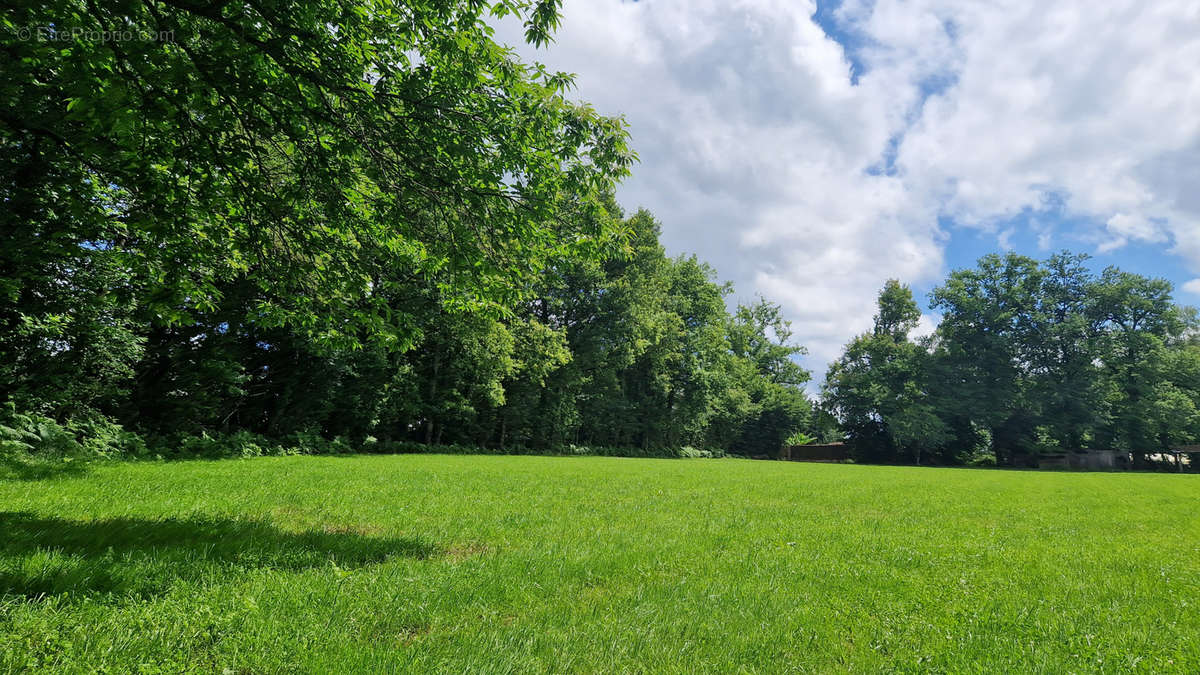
(1091, 103)
(811, 170)
(926, 325)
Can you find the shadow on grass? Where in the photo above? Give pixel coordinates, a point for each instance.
(41, 556)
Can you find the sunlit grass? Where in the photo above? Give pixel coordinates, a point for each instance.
(515, 564)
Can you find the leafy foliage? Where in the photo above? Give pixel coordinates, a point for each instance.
(259, 225)
(1030, 358)
(316, 151)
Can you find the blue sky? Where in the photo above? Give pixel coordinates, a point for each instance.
(964, 246)
(812, 151)
(1035, 233)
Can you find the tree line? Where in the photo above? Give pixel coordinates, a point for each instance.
(335, 225)
(631, 353)
(359, 221)
(1030, 358)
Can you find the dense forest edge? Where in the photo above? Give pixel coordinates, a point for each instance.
(260, 236)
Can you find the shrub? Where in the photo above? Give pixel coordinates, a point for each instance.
(30, 435)
(982, 459)
(800, 438)
(218, 445)
(101, 437)
(311, 443)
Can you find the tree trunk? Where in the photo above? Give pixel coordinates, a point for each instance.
(430, 403)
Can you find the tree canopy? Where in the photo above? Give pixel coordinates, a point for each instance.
(320, 152)
(1030, 358)
(369, 220)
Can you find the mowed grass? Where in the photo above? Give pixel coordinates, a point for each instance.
(538, 564)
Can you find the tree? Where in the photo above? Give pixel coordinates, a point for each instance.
(656, 360)
(1061, 353)
(461, 365)
(879, 389)
(1138, 319)
(540, 351)
(69, 333)
(987, 318)
(321, 152)
(760, 337)
(359, 220)
(1030, 357)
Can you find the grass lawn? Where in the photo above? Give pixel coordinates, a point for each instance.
(517, 564)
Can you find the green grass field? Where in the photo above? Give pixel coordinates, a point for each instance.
(518, 564)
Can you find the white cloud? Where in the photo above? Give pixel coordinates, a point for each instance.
(761, 153)
(926, 325)
(1125, 227)
(1045, 241)
(1094, 103)
(1192, 287)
